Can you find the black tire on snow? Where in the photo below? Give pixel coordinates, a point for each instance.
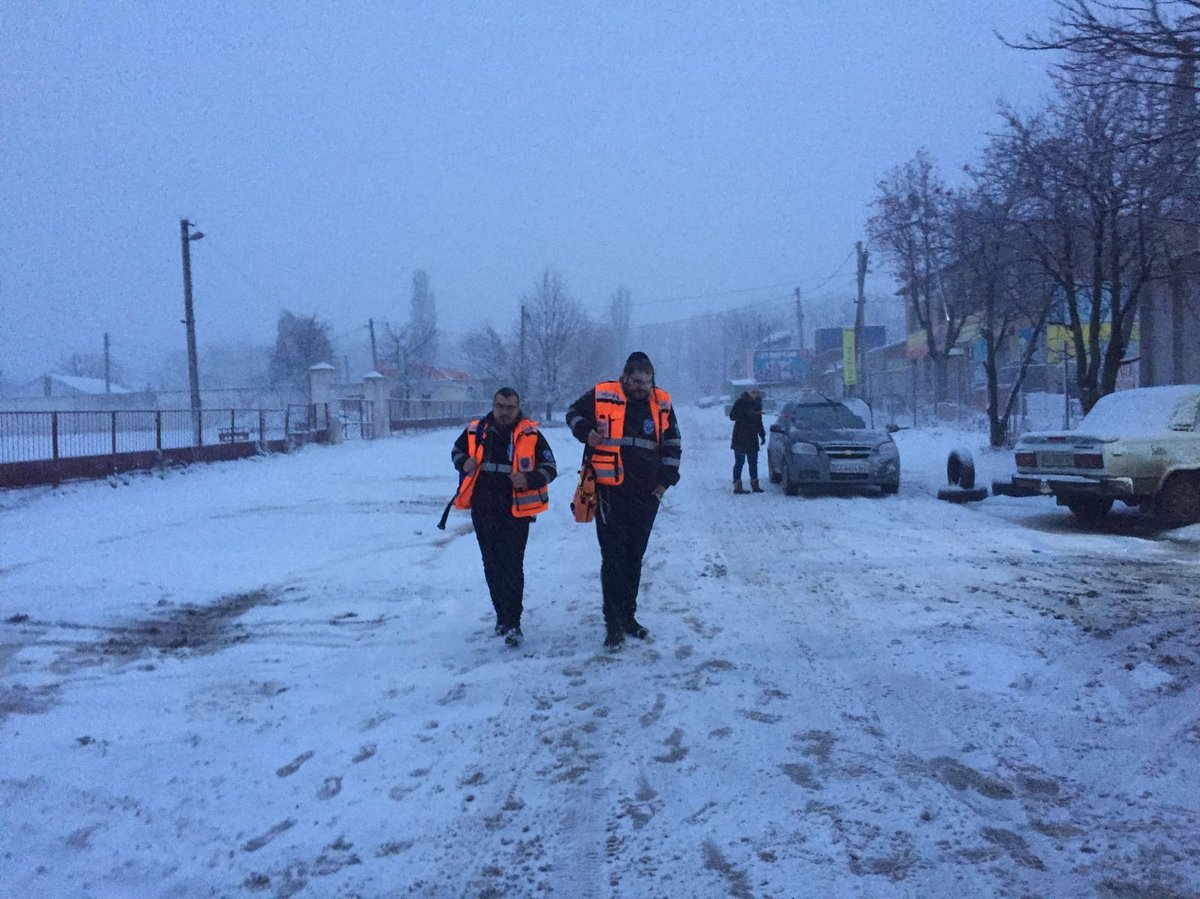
(960, 495)
(774, 476)
(889, 489)
(791, 489)
(1178, 502)
(960, 469)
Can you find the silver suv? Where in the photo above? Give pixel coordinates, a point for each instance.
(1140, 446)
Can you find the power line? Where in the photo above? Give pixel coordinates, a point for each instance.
(703, 316)
(353, 335)
(709, 296)
(811, 283)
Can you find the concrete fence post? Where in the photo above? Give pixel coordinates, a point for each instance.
(375, 392)
(321, 392)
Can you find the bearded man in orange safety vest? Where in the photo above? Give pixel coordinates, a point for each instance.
(504, 464)
(633, 446)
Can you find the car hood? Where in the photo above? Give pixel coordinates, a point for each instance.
(856, 436)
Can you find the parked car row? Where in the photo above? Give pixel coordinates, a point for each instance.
(1140, 446)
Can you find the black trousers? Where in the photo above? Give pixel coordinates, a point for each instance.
(623, 524)
(502, 540)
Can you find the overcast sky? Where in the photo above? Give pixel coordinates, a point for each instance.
(703, 154)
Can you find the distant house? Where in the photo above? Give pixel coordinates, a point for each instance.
(432, 383)
(52, 384)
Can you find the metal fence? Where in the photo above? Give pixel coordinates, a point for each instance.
(419, 409)
(356, 418)
(37, 436)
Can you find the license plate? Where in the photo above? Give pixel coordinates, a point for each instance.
(848, 466)
(1056, 460)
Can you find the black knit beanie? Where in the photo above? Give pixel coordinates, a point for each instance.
(638, 362)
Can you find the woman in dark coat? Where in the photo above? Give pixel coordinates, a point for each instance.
(748, 435)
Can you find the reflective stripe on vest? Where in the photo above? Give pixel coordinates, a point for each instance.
(526, 503)
(610, 422)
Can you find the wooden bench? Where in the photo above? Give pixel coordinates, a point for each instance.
(232, 435)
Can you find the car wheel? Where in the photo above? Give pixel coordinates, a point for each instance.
(774, 476)
(791, 488)
(1178, 502)
(1089, 508)
(960, 469)
(889, 489)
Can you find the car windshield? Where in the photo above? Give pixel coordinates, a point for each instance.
(825, 416)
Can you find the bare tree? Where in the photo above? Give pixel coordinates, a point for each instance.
(620, 321)
(414, 344)
(1094, 188)
(556, 329)
(990, 266)
(908, 228)
(301, 341)
(1150, 41)
(1154, 44)
(491, 356)
(744, 330)
(422, 321)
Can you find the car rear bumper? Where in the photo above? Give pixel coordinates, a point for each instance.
(1062, 484)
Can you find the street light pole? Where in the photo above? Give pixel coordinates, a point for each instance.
(189, 320)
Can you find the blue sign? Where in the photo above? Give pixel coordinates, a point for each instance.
(779, 365)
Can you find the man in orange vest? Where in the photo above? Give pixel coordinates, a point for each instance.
(504, 464)
(634, 447)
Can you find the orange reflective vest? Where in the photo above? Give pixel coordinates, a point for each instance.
(610, 422)
(526, 503)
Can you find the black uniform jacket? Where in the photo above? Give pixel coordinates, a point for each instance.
(494, 489)
(645, 469)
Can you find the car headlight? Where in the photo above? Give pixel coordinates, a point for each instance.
(887, 449)
(804, 449)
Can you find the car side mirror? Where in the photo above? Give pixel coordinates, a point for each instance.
(777, 429)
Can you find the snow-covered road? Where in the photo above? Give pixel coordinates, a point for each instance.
(275, 677)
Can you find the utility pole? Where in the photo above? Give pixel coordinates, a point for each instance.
(800, 339)
(189, 321)
(859, 353)
(107, 367)
(374, 354)
(799, 322)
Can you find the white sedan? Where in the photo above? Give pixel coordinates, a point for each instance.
(1140, 446)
